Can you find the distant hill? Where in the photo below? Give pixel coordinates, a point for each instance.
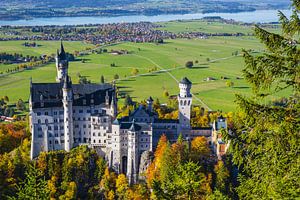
(25, 9)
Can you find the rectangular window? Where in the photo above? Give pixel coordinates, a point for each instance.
(56, 128)
(38, 113)
(88, 111)
(61, 112)
(80, 111)
(55, 113)
(46, 113)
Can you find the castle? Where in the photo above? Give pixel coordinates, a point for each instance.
(64, 115)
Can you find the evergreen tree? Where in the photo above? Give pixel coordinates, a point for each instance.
(102, 79)
(33, 187)
(265, 140)
(128, 101)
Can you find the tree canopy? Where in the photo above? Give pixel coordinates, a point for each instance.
(265, 140)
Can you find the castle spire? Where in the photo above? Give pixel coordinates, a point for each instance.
(62, 52)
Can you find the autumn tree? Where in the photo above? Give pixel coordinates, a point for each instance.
(107, 184)
(199, 149)
(265, 139)
(172, 175)
(122, 187)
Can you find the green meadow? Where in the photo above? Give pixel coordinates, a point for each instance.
(180, 26)
(212, 58)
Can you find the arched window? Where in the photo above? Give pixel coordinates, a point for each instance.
(189, 102)
(46, 121)
(185, 102)
(181, 102)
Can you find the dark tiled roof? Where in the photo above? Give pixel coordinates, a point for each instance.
(167, 121)
(202, 128)
(125, 125)
(145, 109)
(51, 94)
(185, 80)
(135, 127)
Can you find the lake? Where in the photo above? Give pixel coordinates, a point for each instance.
(262, 16)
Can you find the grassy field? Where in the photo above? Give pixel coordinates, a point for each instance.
(44, 47)
(170, 56)
(209, 27)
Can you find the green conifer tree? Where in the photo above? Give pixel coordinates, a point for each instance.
(265, 140)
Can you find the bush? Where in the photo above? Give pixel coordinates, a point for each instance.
(134, 71)
(229, 83)
(116, 76)
(189, 64)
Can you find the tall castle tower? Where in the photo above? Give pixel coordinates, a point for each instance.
(68, 112)
(185, 103)
(62, 64)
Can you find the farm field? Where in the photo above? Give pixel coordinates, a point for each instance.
(203, 26)
(169, 59)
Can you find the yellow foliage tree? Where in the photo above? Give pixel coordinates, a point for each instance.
(122, 186)
(199, 149)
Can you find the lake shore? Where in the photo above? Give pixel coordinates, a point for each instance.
(258, 16)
